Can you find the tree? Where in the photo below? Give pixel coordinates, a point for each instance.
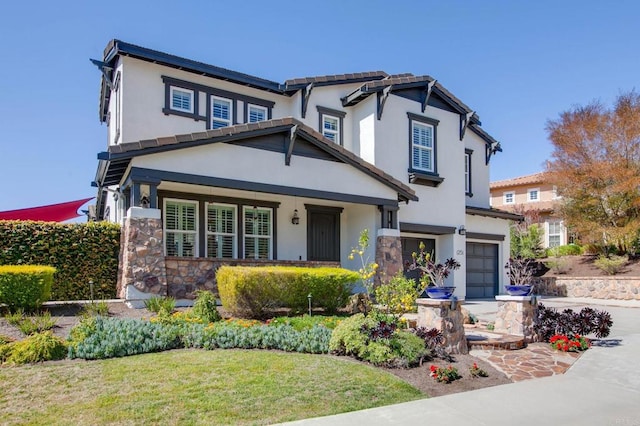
(596, 168)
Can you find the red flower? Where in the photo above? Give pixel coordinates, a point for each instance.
(433, 368)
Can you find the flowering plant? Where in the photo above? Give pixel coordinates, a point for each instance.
(520, 270)
(432, 272)
(574, 343)
(444, 375)
(476, 371)
(368, 269)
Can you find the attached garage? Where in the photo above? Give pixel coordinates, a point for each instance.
(482, 270)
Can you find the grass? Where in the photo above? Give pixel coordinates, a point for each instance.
(195, 387)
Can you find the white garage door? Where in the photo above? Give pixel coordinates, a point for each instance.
(482, 270)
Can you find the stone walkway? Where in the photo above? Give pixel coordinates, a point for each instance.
(536, 360)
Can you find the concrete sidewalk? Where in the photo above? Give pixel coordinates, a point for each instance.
(602, 388)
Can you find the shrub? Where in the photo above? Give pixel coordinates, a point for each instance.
(100, 338)
(80, 252)
(434, 341)
(205, 307)
(444, 375)
(566, 250)
(558, 265)
(569, 323)
(31, 325)
(306, 322)
(611, 265)
(162, 306)
(353, 337)
(255, 291)
(282, 337)
(95, 309)
(398, 295)
(25, 286)
(35, 348)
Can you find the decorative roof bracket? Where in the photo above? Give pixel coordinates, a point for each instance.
(306, 94)
(427, 94)
(382, 99)
(104, 69)
(292, 140)
(465, 119)
(491, 149)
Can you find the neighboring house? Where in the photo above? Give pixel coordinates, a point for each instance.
(534, 198)
(208, 166)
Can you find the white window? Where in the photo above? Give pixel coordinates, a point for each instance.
(258, 230)
(256, 113)
(221, 231)
(509, 197)
(181, 99)
(221, 112)
(467, 173)
(422, 146)
(533, 194)
(554, 236)
(331, 128)
(181, 228)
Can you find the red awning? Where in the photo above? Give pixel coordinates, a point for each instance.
(51, 213)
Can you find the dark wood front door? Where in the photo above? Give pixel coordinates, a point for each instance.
(323, 233)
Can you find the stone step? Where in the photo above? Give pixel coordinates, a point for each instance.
(480, 339)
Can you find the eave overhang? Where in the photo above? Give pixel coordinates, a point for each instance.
(494, 213)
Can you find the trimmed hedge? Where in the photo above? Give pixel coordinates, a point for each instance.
(80, 253)
(254, 291)
(25, 286)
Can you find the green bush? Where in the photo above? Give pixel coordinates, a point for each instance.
(526, 243)
(611, 265)
(79, 252)
(354, 337)
(25, 286)
(306, 322)
(95, 309)
(566, 250)
(398, 295)
(31, 324)
(162, 306)
(283, 337)
(35, 348)
(255, 291)
(205, 307)
(100, 338)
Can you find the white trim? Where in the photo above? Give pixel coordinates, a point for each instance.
(335, 133)
(245, 235)
(467, 173)
(173, 89)
(513, 197)
(195, 233)
(431, 148)
(235, 228)
(257, 107)
(529, 191)
(229, 121)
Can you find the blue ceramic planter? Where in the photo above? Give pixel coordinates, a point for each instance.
(440, 292)
(518, 290)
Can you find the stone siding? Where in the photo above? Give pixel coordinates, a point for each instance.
(619, 288)
(388, 257)
(517, 316)
(433, 313)
(185, 276)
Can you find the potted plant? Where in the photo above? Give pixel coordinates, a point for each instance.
(520, 272)
(433, 274)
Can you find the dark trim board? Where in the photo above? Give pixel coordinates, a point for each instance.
(419, 228)
(482, 236)
(495, 213)
(139, 173)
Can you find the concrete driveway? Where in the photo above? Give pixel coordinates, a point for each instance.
(601, 388)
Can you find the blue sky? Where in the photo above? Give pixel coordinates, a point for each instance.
(518, 64)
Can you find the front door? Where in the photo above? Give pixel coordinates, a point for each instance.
(323, 233)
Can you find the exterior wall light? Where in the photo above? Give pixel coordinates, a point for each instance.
(295, 219)
(462, 230)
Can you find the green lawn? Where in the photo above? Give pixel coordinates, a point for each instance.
(194, 387)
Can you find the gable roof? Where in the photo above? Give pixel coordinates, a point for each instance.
(518, 181)
(114, 162)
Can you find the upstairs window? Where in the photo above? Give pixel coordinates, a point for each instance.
(509, 197)
(533, 195)
(181, 100)
(221, 231)
(221, 112)
(181, 228)
(258, 230)
(422, 147)
(256, 113)
(331, 122)
(467, 172)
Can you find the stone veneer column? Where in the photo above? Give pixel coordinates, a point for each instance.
(388, 254)
(517, 316)
(437, 313)
(143, 271)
